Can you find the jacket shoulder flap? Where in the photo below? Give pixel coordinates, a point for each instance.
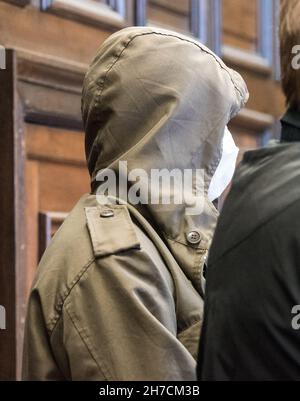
(111, 229)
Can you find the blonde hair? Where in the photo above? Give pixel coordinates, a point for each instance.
(290, 37)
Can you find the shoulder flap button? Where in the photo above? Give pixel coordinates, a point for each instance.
(113, 234)
(107, 213)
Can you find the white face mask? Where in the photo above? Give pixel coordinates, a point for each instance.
(226, 167)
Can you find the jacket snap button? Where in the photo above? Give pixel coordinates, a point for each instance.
(193, 237)
(107, 213)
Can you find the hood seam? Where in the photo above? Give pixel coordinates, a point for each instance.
(198, 45)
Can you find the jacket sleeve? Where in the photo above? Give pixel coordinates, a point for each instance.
(120, 323)
(38, 359)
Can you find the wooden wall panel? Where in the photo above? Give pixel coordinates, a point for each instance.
(169, 14)
(49, 223)
(240, 25)
(55, 145)
(32, 230)
(250, 45)
(12, 235)
(56, 177)
(61, 186)
(108, 15)
(41, 32)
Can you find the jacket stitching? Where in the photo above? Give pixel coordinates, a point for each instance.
(94, 234)
(127, 221)
(194, 322)
(107, 375)
(197, 270)
(223, 67)
(59, 306)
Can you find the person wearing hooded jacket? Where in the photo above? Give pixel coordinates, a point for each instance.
(118, 294)
(252, 301)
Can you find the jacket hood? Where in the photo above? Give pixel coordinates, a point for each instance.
(160, 100)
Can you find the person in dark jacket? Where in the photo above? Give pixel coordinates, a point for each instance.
(251, 325)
